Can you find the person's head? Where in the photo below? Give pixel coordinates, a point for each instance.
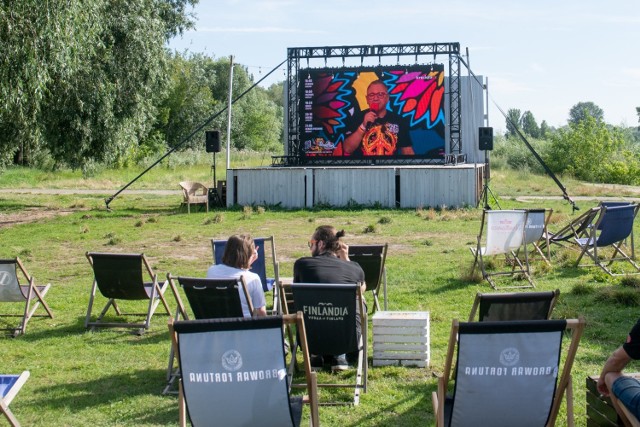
(238, 251)
(377, 96)
(325, 239)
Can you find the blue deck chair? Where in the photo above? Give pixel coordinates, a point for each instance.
(508, 374)
(10, 385)
(513, 306)
(11, 291)
(234, 373)
(259, 267)
(613, 226)
(121, 277)
(208, 299)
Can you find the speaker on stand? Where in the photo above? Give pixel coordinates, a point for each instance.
(485, 143)
(212, 145)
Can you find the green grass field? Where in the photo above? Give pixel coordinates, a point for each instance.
(114, 378)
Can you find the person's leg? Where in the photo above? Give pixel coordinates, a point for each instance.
(627, 390)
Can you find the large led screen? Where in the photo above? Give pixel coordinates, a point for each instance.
(387, 112)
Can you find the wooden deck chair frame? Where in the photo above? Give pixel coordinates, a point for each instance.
(259, 266)
(194, 193)
(610, 217)
(577, 228)
(230, 325)
(201, 294)
(537, 233)
(361, 370)
(372, 260)
(508, 239)
(12, 291)
(124, 284)
(627, 418)
(10, 385)
(513, 306)
(563, 386)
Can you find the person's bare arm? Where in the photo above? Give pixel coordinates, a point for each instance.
(614, 364)
(260, 312)
(353, 141)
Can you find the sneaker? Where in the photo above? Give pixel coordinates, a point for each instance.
(339, 363)
(317, 362)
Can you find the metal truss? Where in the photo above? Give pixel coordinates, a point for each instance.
(296, 54)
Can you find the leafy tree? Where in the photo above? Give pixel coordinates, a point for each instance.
(513, 121)
(529, 125)
(545, 130)
(592, 151)
(582, 110)
(638, 112)
(79, 77)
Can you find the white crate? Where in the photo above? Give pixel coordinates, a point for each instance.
(401, 338)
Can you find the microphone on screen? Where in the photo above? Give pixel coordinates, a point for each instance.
(373, 107)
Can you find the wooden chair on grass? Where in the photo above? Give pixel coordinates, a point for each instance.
(513, 306)
(194, 193)
(372, 260)
(10, 385)
(508, 373)
(234, 372)
(121, 277)
(30, 296)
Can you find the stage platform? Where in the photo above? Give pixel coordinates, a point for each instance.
(407, 186)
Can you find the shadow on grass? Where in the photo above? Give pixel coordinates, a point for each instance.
(107, 393)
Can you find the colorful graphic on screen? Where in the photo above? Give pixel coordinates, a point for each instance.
(390, 112)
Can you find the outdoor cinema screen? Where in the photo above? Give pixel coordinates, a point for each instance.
(386, 111)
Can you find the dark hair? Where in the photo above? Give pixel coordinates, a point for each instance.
(328, 235)
(238, 251)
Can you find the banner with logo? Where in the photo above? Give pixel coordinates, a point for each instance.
(235, 377)
(506, 378)
(505, 231)
(9, 286)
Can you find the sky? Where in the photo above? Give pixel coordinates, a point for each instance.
(542, 56)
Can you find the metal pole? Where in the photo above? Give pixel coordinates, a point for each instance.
(229, 113)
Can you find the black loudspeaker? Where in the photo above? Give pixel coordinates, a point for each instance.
(212, 141)
(485, 139)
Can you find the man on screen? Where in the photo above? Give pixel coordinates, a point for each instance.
(378, 131)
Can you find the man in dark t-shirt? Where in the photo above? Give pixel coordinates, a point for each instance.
(329, 263)
(612, 381)
(377, 131)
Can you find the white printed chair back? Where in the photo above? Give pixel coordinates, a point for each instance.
(28, 296)
(234, 372)
(504, 235)
(536, 233)
(507, 374)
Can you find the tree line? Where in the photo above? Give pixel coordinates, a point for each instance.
(92, 81)
(586, 148)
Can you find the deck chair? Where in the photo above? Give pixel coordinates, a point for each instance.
(209, 299)
(372, 260)
(624, 414)
(120, 277)
(577, 228)
(234, 372)
(259, 267)
(331, 316)
(194, 193)
(536, 233)
(613, 226)
(12, 291)
(513, 306)
(10, 385)
(508, 373)
(505, 235)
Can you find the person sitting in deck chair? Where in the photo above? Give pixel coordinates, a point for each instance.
(239, 253)
(328, 263)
